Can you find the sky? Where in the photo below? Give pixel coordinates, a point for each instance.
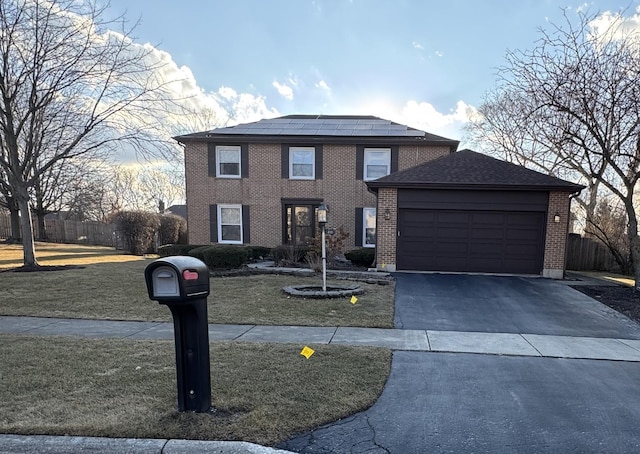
(422, 63)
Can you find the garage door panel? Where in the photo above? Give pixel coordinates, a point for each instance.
(480, 241)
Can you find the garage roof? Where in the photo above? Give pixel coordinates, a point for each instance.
(321, 129)
(468, 169)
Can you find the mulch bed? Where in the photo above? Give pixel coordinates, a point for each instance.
(622, 299)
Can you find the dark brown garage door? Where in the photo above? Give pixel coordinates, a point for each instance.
(470, 241)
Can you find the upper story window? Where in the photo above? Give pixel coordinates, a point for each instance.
(377, 163)
(302, 163)
(228, 161)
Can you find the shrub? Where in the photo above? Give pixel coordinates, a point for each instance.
(138, 230)
(224, 256)
(198, 252)
(289, 254)
(334, 243)
(172, 229)
(363, 256)
(258, 252)
(176, 249)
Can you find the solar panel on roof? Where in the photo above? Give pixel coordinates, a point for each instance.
(322, 125)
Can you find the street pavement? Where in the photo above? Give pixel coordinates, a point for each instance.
(510, 364)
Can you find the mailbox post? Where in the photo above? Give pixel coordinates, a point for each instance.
(182, 284)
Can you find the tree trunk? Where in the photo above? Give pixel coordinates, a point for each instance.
(28, 244)
(42, 232)
(634, 243)
(14, 214)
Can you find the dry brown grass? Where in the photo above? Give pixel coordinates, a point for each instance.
(63, 254)
(117, 291)
(263, 393)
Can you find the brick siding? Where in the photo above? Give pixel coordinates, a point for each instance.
(386, 229)
(556, 237)
(264, 189)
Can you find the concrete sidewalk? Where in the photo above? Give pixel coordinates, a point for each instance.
(396, 339)
(38, 444)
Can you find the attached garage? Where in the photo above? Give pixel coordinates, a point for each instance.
(467, 212)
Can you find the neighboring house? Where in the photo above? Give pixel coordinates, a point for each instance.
(178, 210)
(261, 183)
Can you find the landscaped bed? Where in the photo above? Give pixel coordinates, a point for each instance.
(623, 299)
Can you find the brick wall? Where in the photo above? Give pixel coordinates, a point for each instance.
(264, 189)
(556, 238)
(386, 229)
(411, 156)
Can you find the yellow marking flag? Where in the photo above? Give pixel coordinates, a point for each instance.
(307, 352)
(354, 300)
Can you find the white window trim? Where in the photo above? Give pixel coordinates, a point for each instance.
(313, 163)
(219, 226)
(364, 226)
(366, 159)
(235, 148)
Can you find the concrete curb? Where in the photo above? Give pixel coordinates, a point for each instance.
(27, 444)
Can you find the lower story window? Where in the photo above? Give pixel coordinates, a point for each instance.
(369, 227)
(230, 224)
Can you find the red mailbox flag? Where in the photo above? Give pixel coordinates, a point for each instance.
(190, 275)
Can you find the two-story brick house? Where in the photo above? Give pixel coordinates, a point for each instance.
(261, 183)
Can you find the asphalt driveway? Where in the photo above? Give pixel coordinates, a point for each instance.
(464, 403)
(503, 304)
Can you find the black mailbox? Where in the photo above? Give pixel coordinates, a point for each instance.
(182, 284)
(177, 278)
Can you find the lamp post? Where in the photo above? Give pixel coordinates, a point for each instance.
(322, 220)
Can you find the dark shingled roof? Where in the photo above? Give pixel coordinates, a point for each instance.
(468, 169)
(320, 128)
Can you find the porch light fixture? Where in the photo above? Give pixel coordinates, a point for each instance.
(322, 220)
(322, 215)
(387, 214)
(556, 218)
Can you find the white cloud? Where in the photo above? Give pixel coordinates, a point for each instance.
(439, 53)
(284, 90)
(417, 45)
(323, 86)
(423, 116)
(611, 26)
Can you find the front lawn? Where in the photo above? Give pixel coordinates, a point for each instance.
(117, 291)
(262, 393)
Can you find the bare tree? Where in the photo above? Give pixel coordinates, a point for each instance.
(571, 105)
(8, 201)
(141, 188)
(609, 225)
(70, 86)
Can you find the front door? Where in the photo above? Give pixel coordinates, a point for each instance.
(300, 223)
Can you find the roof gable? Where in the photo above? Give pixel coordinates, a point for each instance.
(324, 128)
(468, 169)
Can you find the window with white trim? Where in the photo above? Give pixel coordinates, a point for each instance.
(302, 163)
(377, 163)
(228, 161)
(230, 224)
(369, 227)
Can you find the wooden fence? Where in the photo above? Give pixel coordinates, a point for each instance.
(59, 231)
(586, 254)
